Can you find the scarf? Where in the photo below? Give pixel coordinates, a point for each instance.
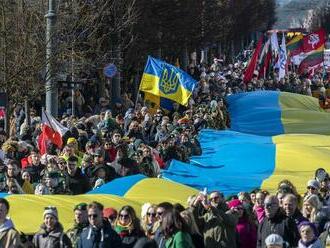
(123, 231)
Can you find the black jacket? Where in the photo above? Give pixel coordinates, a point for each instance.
(77, 184)
(281, 225)
(104, 237)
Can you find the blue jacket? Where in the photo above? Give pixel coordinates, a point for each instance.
(104, 237)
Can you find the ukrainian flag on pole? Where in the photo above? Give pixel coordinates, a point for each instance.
(165, 80)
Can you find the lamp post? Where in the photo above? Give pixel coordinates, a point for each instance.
(51, 88)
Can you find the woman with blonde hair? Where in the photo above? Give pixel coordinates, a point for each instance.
(312, 210)
(149, 221)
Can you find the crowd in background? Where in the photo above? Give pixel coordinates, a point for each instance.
(107, 141)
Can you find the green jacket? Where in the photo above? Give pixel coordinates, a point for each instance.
(180, 240)
(217, 227)
(74, 233)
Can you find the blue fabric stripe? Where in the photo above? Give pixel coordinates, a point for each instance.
(118, 186)
(231, 162)
(257, 112)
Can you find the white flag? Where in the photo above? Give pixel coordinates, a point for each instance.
(274, 41)
(282, 59)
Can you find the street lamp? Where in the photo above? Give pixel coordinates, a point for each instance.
(51, 88)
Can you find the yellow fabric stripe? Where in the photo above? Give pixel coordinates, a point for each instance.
(297, 158)
(155, 191)
(27, 210)
(150, 84)
(302, 114)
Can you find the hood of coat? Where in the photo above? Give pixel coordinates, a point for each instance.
(8, 224)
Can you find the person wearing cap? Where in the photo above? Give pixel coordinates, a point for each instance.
(274, 241)
(99, 232)
(51, 234)
(9, 237)
(276, 222)
(80, 222)
(110, 214)
(309, 236)
(245, 228)
(75, 180)
(313, 187)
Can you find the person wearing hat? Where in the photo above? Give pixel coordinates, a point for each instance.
(309, 236)
(75, 180)
(274, 241)
(110, 214)
(245, 228)
(51, 234)
(313, 187)
(80, 222)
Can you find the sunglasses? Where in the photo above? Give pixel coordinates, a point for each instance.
(310, 187)
(92, 216)
(124, 216)
(215, 198)
(160, 213)
(151, 214)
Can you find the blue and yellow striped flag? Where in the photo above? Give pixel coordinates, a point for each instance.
(165, 80)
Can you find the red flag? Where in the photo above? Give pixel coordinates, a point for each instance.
(52, 132)
(314, 41)
(248, 74)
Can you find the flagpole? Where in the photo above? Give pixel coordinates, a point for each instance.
(137, 96)
(46, 114)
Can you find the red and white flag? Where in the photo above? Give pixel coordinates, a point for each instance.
(52, 132)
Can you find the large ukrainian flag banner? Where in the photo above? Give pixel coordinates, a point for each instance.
(165, 80)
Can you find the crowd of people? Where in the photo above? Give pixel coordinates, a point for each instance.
(107, 141)
(248, 220)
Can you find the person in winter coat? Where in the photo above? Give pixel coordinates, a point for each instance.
(80, 222)
(216, 225)
(290, 207)
(325, 236)
(308, 233)
(176, 231)
(75, 180)
(128, 227)
(51, 234)
(99, 233)
(9, 237)
(276, 222)
(245, 227)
